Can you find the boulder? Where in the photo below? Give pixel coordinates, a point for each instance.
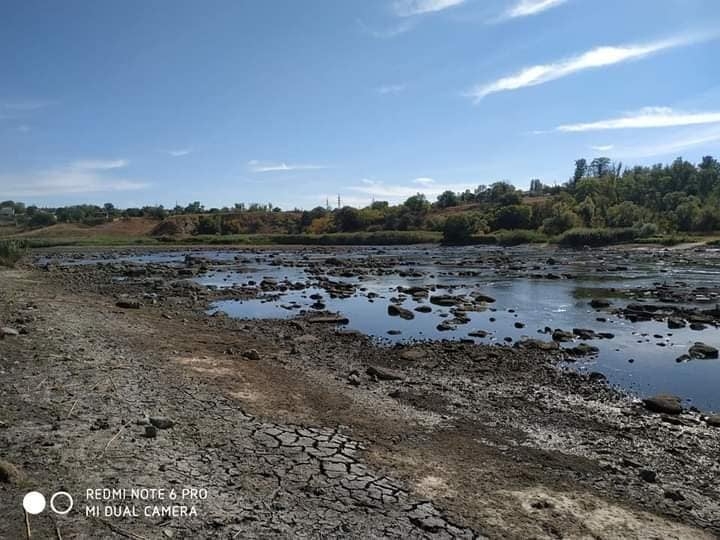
(703, 351)
(397, 311)
(384, 374)
(161, 422)
(128, 304)
(9, 474)
(664, 403)
(599, 303)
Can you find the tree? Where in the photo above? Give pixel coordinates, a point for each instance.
(41, 219)
(600, 167)
(447, 198)
(194, 208)
(625, 214)
(458, 228)
(417, 203)
(581, 169)
(515, 216)
(347, 219)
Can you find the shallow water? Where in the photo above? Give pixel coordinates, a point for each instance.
(517, 278)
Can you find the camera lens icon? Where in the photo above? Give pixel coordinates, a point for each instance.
(61, 503)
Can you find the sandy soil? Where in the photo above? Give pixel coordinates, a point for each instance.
(302, 430)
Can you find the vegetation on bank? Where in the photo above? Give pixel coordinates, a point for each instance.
(602, 203)
(11, 251)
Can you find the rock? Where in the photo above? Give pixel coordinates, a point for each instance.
(413, 355)
(649, 476)
(664, 403)
(562, 336)
(713, 420)
(478, 334)
(597, 376)
(697, 326)
(150, 432)
(9, 474)
(519, 325)
(161, 422)
(537, 344)
(128, 304)
(336, 319)
(703, 351)
(383, 374)
(251, 354)
(445, 300)
(354, 378)
(675, 323)
(599, 303)
(584, 333)
(6, 331)
(583, 350)
(483, 298)
(423, 309)
(397, 311)
(674, 495)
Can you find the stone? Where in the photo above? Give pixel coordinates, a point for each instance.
(649, 476)
(6, 331)
(664, 403)
(150, 432)
(397, 311)
(599, 303)
(703, 351)
(251, 354)
(423, 309)
(161, 422)
(383, 374)
(713, 420)
(562, 336)
(336, 319)
(675, 323)
(537, 344)
(9, 474)
(128, 304)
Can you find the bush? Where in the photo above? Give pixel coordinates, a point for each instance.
(458, 229)
(520, 236)
(41, 219)
(597, 237)
(11, 251)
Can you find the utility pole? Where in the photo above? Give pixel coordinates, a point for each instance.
(339, 202)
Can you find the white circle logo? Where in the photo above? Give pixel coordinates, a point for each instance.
(34, 502)
(69, 502)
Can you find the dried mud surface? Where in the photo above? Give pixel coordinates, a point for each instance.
(305, 430)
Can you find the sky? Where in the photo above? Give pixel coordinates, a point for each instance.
(294, 102)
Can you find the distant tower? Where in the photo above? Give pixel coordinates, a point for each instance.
(327, 203)
(339, 203)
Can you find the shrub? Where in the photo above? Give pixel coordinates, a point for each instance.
(597, 237)
(11, 251)
(41, 219)
(458, 229)
(520, 236)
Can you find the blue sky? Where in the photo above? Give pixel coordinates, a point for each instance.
(296, 101)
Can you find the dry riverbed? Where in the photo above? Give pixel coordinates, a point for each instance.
(300, 428)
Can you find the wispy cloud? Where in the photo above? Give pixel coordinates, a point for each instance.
(85, 176)
(602, 147)
(25, 105)
(408, 8)
(595, 58)
(391, 89)
(179, 152)
(670, 146)
(525, 8)
(388, 31)
(264, 166)
(647, 117)
(399, 192)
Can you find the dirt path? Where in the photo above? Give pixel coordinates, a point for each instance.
(285, 447)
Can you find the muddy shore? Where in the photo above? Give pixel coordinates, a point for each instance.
(302, 428)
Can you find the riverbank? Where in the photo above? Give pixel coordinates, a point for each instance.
(295, 426)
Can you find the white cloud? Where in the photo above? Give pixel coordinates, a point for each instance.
(389, 31)
(671, 147)
(424, 181)
(101, 165)
(525, 8)
(393, 89)
(400, 192)
(647, 117)
(179, 152)
(408, 8)
(25, 105)
(595, 58)
(602, 147)
(87, 176)
(260, 166)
